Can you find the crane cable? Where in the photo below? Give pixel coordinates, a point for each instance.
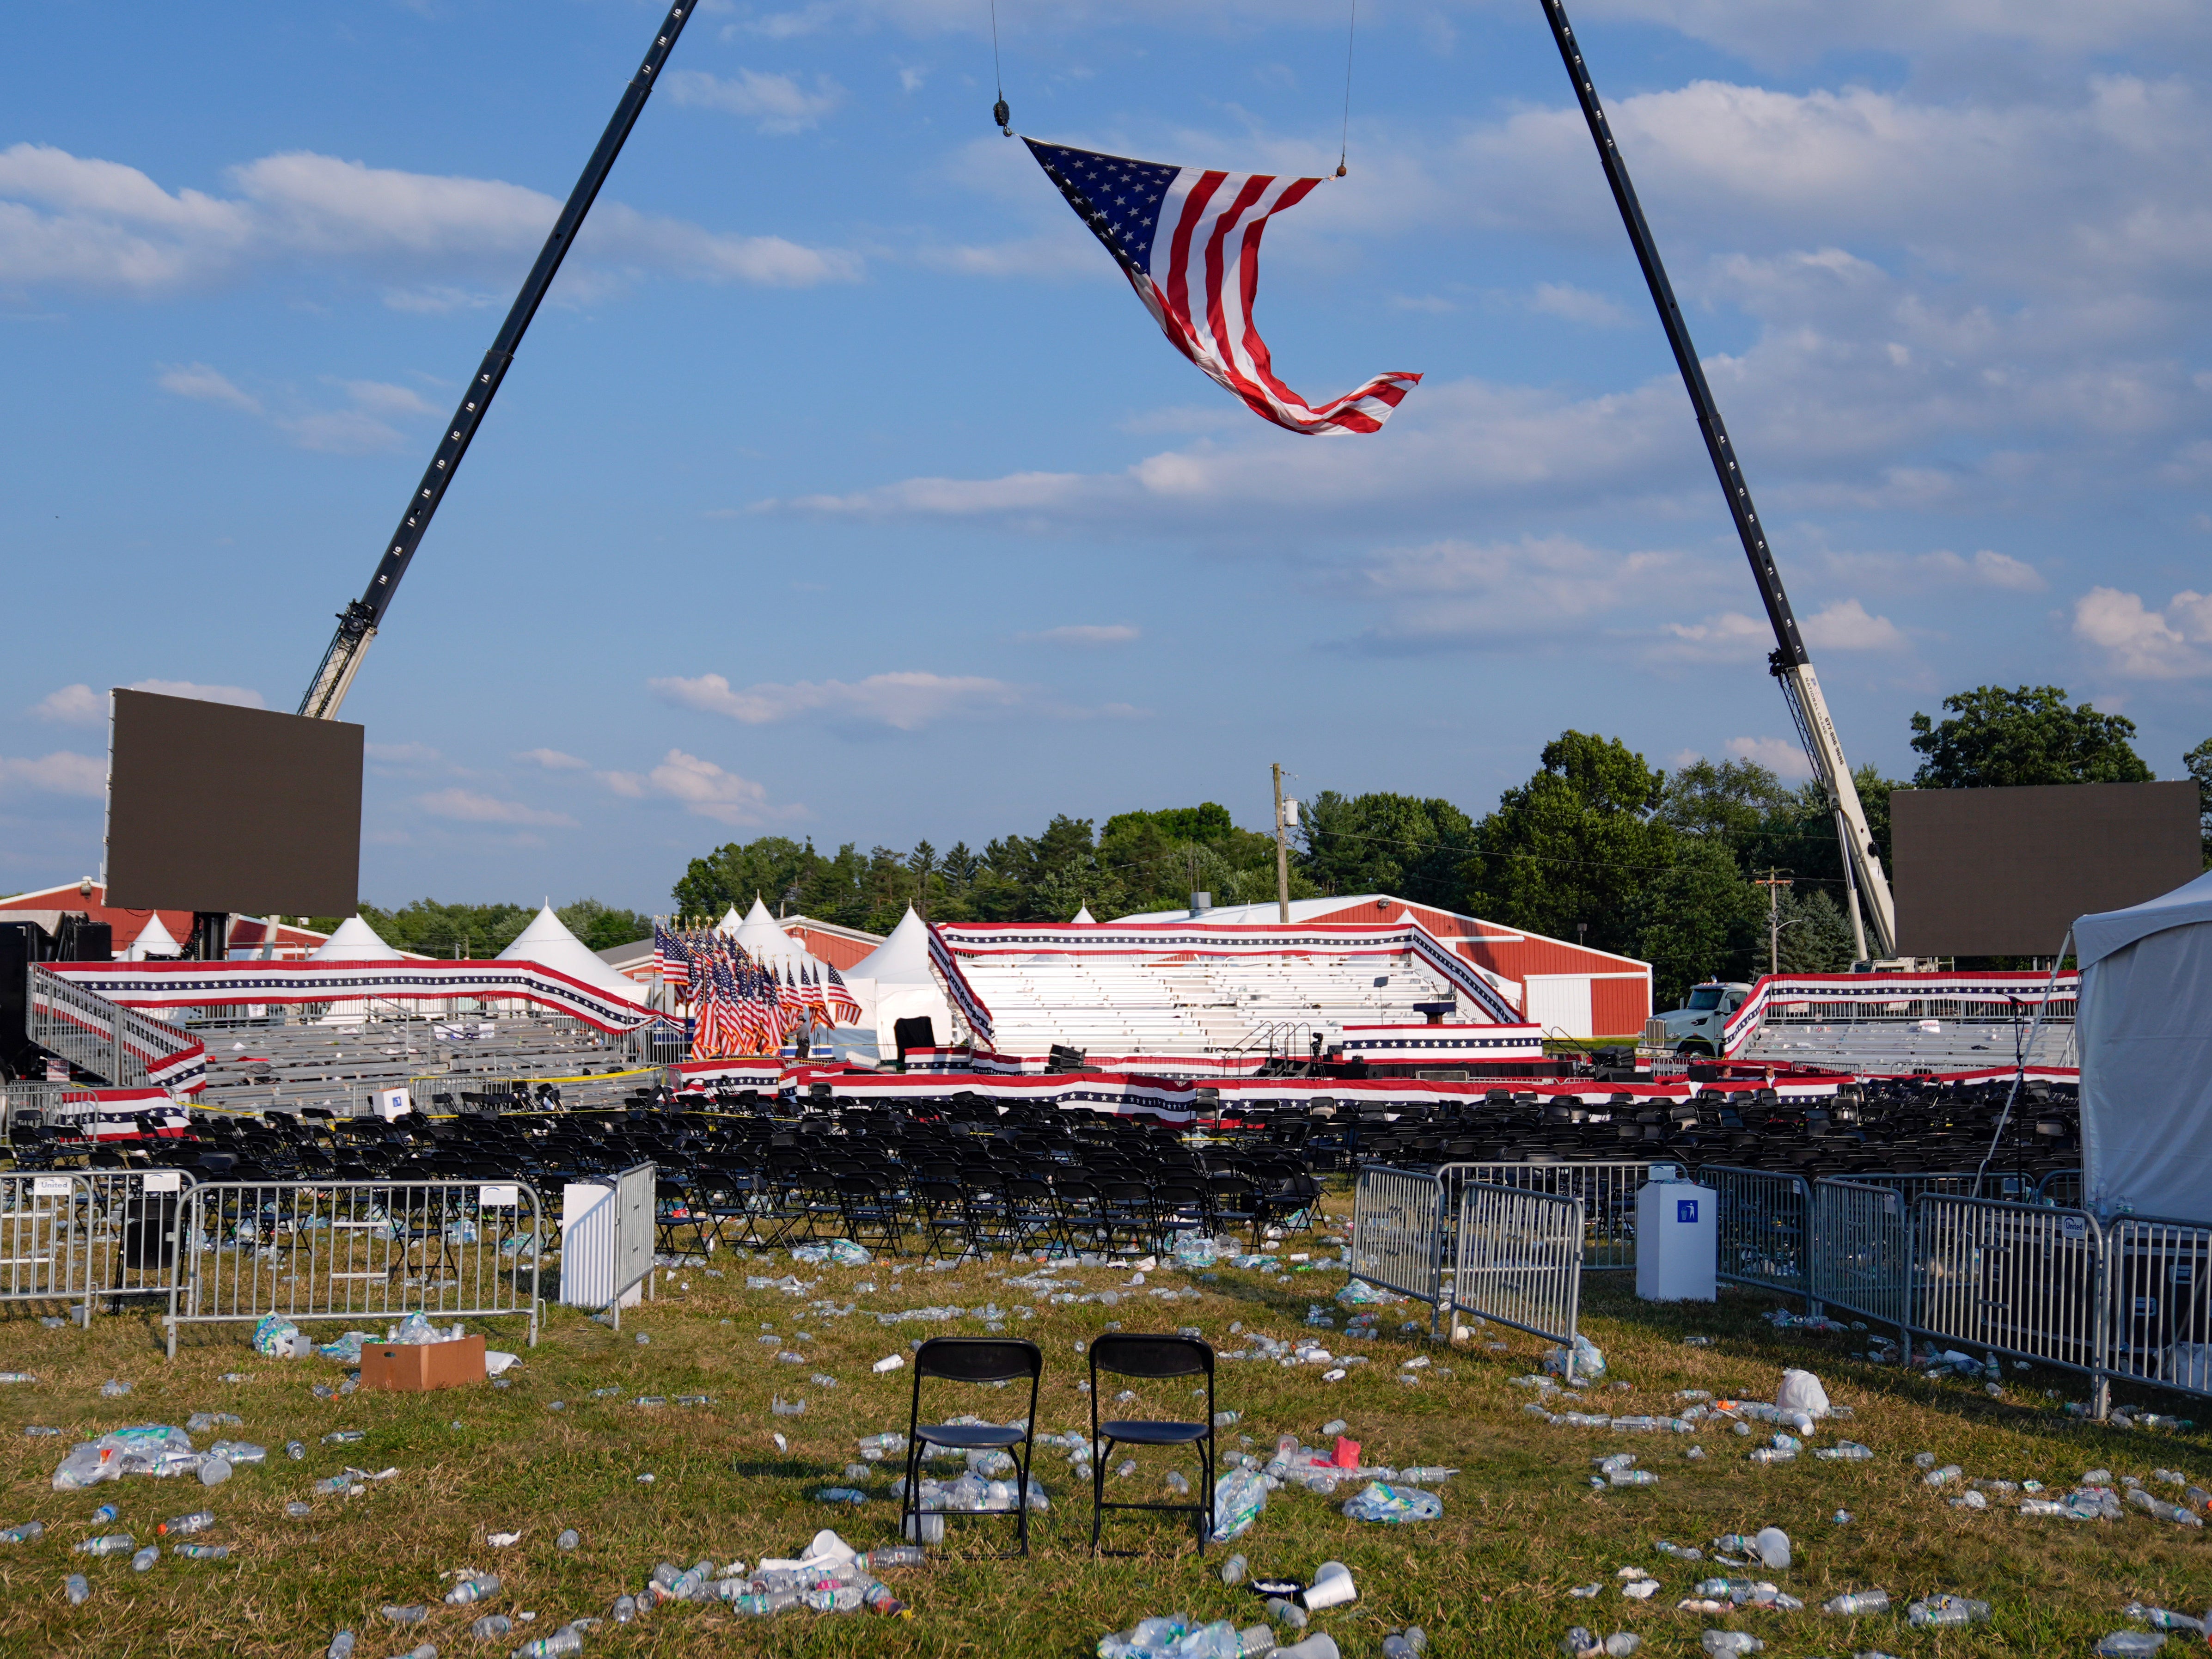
(999, 112)
(1344, 142)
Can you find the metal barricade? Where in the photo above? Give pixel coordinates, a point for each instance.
(1606, 1192)
(1862, 1255)
(18, 1096)
(126, 1229)
(1519, 1260)
(39, 1260)
(1398, 1231)
(2016, 1278)
(1763, 1219)
(372, 1251)
(606, 1243)
(2159, 1292)
(2061, 1189)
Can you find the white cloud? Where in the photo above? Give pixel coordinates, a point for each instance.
(1452, 592)
(1784, 757)
(240, 695)
(2140, 643)
(62, 773)
(1731, 636)
(1845, 625)
(382, 398)
(709, 790)
(1576, 305)
(773, 103)
(73, 704)
(1989, 569)
(905, 701)
(470, 806)
(204, 385)
(1086, 634)
(80, 222)
(554, 760)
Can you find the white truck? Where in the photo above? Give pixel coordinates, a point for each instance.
(1695, 1027)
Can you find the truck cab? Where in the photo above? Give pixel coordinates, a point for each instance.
(1696, 1026)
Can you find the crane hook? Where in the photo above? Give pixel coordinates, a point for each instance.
(1004, 117)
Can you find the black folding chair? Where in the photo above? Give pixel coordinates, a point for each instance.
(971, 1360)
(1153, 1358)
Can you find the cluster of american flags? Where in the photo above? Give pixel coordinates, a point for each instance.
(739, 1006)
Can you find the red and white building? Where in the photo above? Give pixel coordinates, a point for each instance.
(88, 898)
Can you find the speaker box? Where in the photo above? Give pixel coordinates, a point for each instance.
(21, 944)
(918, 1032)
(81, 940)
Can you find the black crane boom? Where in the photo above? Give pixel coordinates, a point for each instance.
(359, 622)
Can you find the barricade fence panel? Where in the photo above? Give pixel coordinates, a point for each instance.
(1606, 1192)
(634, 1229)
(2020, 1279)
(1861, 1254)
(1397, 1231)
(1519, 1260)
(367, 1250)
(1763, 1220)
(39, 1259)
(126, 1227)
(2159, 1277)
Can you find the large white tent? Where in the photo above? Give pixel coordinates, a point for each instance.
(763, 941)
(2143, 1030)
(154, 940)
(547, 942)
(895, 981)
(354, 941)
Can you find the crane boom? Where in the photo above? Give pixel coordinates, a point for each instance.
(359, 622)
(1790, 662)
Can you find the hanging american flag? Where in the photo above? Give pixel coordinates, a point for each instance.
(1189, 240)
(844, 1007)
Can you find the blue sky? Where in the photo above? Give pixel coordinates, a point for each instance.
(843, 489)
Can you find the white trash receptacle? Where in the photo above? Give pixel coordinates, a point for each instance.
(1677, 1239)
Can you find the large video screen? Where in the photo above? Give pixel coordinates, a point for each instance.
(2004, 872)
(212, 807)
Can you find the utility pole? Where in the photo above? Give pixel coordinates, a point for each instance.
(1282, 856)
(1773, 883)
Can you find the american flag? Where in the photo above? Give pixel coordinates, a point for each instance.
(1189, 240)
(844, 1007)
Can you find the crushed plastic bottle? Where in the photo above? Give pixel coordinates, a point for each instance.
(476, 1587)
(491, 1626)
(1848, 1452)
(78, 1588)
(568, 1539)
(2129, 1645)
(144, 1560)
(1679, 1551)
(341, 1646)
(1943, 1476)
(414, 1615)
(1858, 1601)
(560, 1645)
(26, 1533)
(1393, 1505)
(1946, 1612)
(204, 1551)
(2160, 1619)
(1232, 1569)
(116, 1543)
(1723, 1642)
(295, 1450)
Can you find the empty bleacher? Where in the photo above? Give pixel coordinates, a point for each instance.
(1901, 1047)
(1183, 1004)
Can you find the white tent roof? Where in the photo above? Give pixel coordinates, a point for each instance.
(354, 941)
(729, 924)
(2097, 936)
(548, 944)
(153, 939)
(765, 942)
(902, 959)
(1083, 919)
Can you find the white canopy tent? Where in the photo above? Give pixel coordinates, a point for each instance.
(354, 941)
(895, 981)
(154, 940)
(763, 941)
(2144, 1030)
(547, 942)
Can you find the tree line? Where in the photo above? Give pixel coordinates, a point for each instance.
(1598, 846)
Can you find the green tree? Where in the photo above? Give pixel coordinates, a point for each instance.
(1728, 800)
(1403, 845)
(2199, 762)
(1816, 937)
(601, 927)
(1999, 739)
(433, 929)
(1696, 919)
(1574, 844)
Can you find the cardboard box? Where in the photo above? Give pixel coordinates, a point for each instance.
(413, 1368)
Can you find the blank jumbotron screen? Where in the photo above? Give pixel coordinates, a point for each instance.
(2004, 873)
(212, 807)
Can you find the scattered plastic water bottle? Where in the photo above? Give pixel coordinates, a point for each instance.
(297, 1508)
(2160, 1619)
(111, 1390)
(1720, 1642)
(24, 1533)
(2129, 1645)
(204, 1551)
(144, 1560)
(1232, 1569)
(116, 1543)
(892, 1555)
(475, 1587)
(336, 1483)
(569, 1538)
(1859, 1601)
(341, 1646)
(344, 1437)
(1943, 1612)
(1178, 1483)
(408, 1615)
(104, 1514)
(1845, 1451)
(1410, 1644)
(185, 1525)
(491, 1626)
(1842, 1517)
(625, 1609)
(80, 1591)
(560, 1643)
(17, 1377)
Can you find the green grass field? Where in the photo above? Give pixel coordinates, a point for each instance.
(1521, 1524)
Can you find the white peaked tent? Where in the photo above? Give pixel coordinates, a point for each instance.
(2144, 1034)
(1083, 918)
(154, 940)
(354, 941)
(548, 943)
(895, 981)
(763, 941)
